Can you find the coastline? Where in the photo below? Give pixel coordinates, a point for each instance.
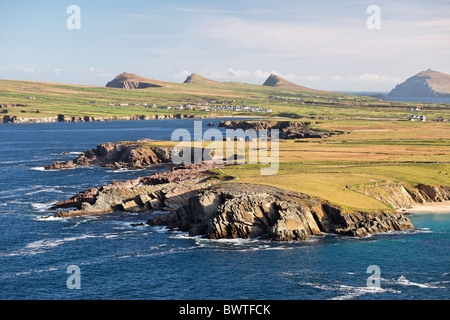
(429, 207)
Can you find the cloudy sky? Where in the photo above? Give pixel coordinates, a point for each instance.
(320, 44)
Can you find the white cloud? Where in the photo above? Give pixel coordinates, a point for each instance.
(237, 73)
(28, 70)
(366, 78)
(98, 72)
(183, 74)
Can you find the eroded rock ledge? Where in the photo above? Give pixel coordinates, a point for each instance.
(167, 190)
(232, 210)
(131, 155)
(287, 129)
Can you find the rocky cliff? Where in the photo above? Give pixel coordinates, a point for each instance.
(131, 155)
(166, 190)
(287, 129)
(426, 84)
(65, 118)
(403, 195)
(254, 211)
(199, 202)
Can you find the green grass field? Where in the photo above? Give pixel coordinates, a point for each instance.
(372, 146)
(52, 99)
(331, 168)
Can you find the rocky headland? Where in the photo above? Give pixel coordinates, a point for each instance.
(66, 118)
(200, 199)
(287, 129)
(130, 155)
(232, 210)
(166, 190)
(193, 199)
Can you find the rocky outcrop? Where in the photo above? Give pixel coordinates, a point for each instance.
(60, 165)
(131, 155)
(65, 118)
(403, 195)
(166, 190)
(287, 129)
(427, 84)
(255, 211)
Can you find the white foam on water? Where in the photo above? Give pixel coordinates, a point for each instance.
(42, 207)
(41, 169)
(345, 292)
(405, 282)
(44, 245)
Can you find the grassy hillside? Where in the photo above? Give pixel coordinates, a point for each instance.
(51, 99)
(368, 152)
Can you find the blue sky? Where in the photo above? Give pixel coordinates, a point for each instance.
(319, 44)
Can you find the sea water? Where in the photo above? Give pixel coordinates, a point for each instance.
(118, 261)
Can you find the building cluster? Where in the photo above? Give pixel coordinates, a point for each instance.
(236, 108)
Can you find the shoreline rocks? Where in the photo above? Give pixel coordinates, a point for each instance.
(233, 210)
(287, 129)
(65, 118)
(130, 155)
(166, 190)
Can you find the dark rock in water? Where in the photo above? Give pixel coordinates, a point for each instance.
(60, 165)
(137, 224)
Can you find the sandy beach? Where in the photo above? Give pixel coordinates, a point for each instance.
(431, 207)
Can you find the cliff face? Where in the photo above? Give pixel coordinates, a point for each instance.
(135, 155)
(426, 84)
(64, 118)
(166, 190)
(255, 211)
(402, 195)
(287, 129)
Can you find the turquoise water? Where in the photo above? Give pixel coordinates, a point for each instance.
(117, 261)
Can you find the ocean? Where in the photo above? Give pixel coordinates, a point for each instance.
(104, 257)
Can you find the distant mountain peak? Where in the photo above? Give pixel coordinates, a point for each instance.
(198, 79)
(276, 81)
(425, 84)
(127, 80)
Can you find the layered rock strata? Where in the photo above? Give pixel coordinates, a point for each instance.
(167, 190)
(234, 210)
(287, 129)
(131, 155)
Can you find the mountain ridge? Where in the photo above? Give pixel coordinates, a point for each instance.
(276, 81)
(127, 80)
(426, 84)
